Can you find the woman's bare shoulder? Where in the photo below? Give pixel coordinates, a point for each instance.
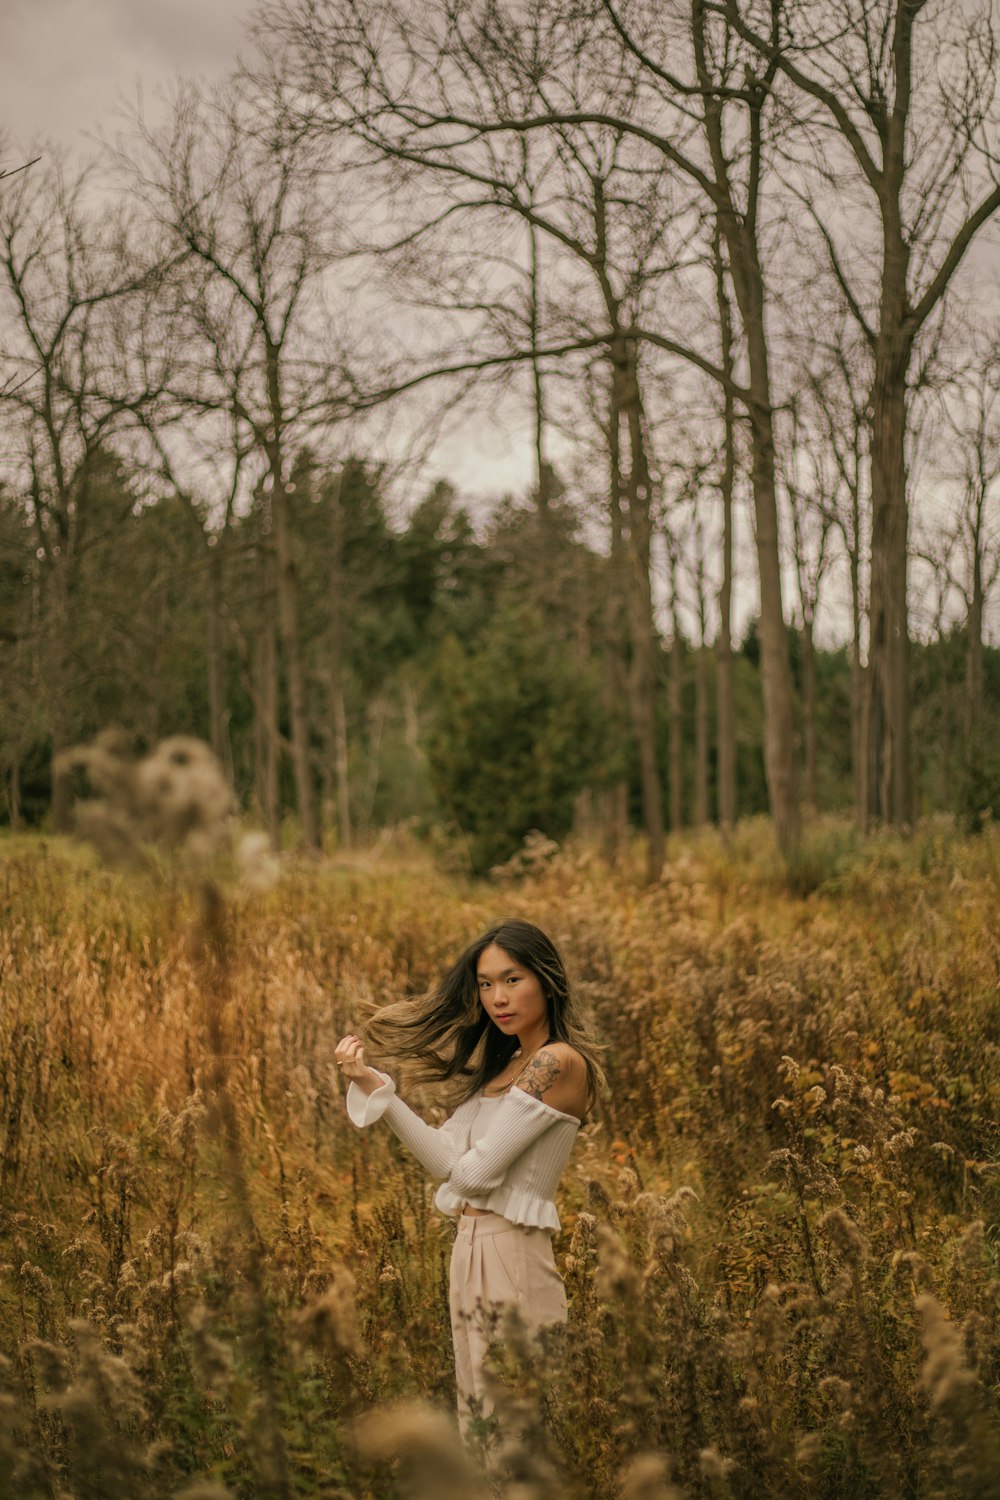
(557, 1075)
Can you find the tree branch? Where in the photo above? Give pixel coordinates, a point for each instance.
(956, 251)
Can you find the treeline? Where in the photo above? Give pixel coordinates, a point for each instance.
(717, 260)
(453, 674)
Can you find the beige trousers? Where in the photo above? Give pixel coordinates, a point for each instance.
(495, 1263)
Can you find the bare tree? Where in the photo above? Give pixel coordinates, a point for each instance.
(416, 93)
(74, 372)
(694, 533)
(726, 96)
(233, 185)
(202, 464)
(19, 640)
(899, 106)
(811, 484)
(834, 403)
(934, 557)
(583, 192)
(675, 690)
(701, 726)
(971, 555)
(726, 716)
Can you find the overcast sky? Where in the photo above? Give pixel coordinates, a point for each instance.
(65, 67)
(64, 64)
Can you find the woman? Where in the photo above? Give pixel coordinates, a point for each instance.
(505, 1019)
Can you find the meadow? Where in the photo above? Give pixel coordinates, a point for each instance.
(780, 1233)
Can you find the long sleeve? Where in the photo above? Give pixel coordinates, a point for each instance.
(520, 1120)
(436, 1147)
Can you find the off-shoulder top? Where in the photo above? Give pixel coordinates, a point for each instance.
(505, 1153)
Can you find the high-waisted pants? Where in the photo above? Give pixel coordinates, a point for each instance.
(495, 1263)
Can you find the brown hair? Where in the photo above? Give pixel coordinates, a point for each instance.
(449, 1032)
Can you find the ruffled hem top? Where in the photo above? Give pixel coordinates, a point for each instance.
(504, 1154)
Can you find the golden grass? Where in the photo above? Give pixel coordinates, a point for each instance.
(780, 1233)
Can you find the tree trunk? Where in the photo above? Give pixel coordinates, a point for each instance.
(725, 699)
(701, 736)
(338, 626)
(738, 228)
(642, 685)
(775, 668)
(339, 721)
(859, 737)
(62, 797)
(642, 675)
(947, 731)
(613, 798)
(888, 749)
(974, 651)
(859, 733)
(267, 746)
(888, 707)
(613, 808)
(288, 601)
(725, 706)
(584, 815)
(701, 811)
(15, 787)
(216, 691)
(288, 616)
(675, 704)
(272, 784)
(631, 505)
(809, 710)
(725, 730)
(58, 627)
(543, 474)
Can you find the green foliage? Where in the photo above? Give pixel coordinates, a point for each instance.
(516, 735)
(386, 588)
(979, 784)
(828, 849)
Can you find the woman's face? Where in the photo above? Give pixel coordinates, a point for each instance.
(511, 994)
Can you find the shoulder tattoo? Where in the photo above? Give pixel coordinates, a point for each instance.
(540, 1074)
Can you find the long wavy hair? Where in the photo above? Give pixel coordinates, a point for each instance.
(449, 1034)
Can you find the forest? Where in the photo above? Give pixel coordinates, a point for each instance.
(482, 461)
(738, 315)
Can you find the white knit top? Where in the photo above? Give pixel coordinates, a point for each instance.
(505, 1154)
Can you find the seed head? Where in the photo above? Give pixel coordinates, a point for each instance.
(844, 1235)
(945, 1374)
(176, 799)
(425, 1441)
(260, 868)
(646, 1478)
(330, 1322)
(212, 1360)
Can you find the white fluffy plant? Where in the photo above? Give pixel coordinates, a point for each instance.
(176, 800)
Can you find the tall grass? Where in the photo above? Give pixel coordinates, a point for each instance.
(780, 1232)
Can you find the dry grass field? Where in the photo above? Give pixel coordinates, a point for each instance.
(780, 1233)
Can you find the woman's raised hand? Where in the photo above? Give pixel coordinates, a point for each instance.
(350, 1060)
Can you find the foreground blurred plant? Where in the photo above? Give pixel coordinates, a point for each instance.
(176, 803)
(176, 799)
